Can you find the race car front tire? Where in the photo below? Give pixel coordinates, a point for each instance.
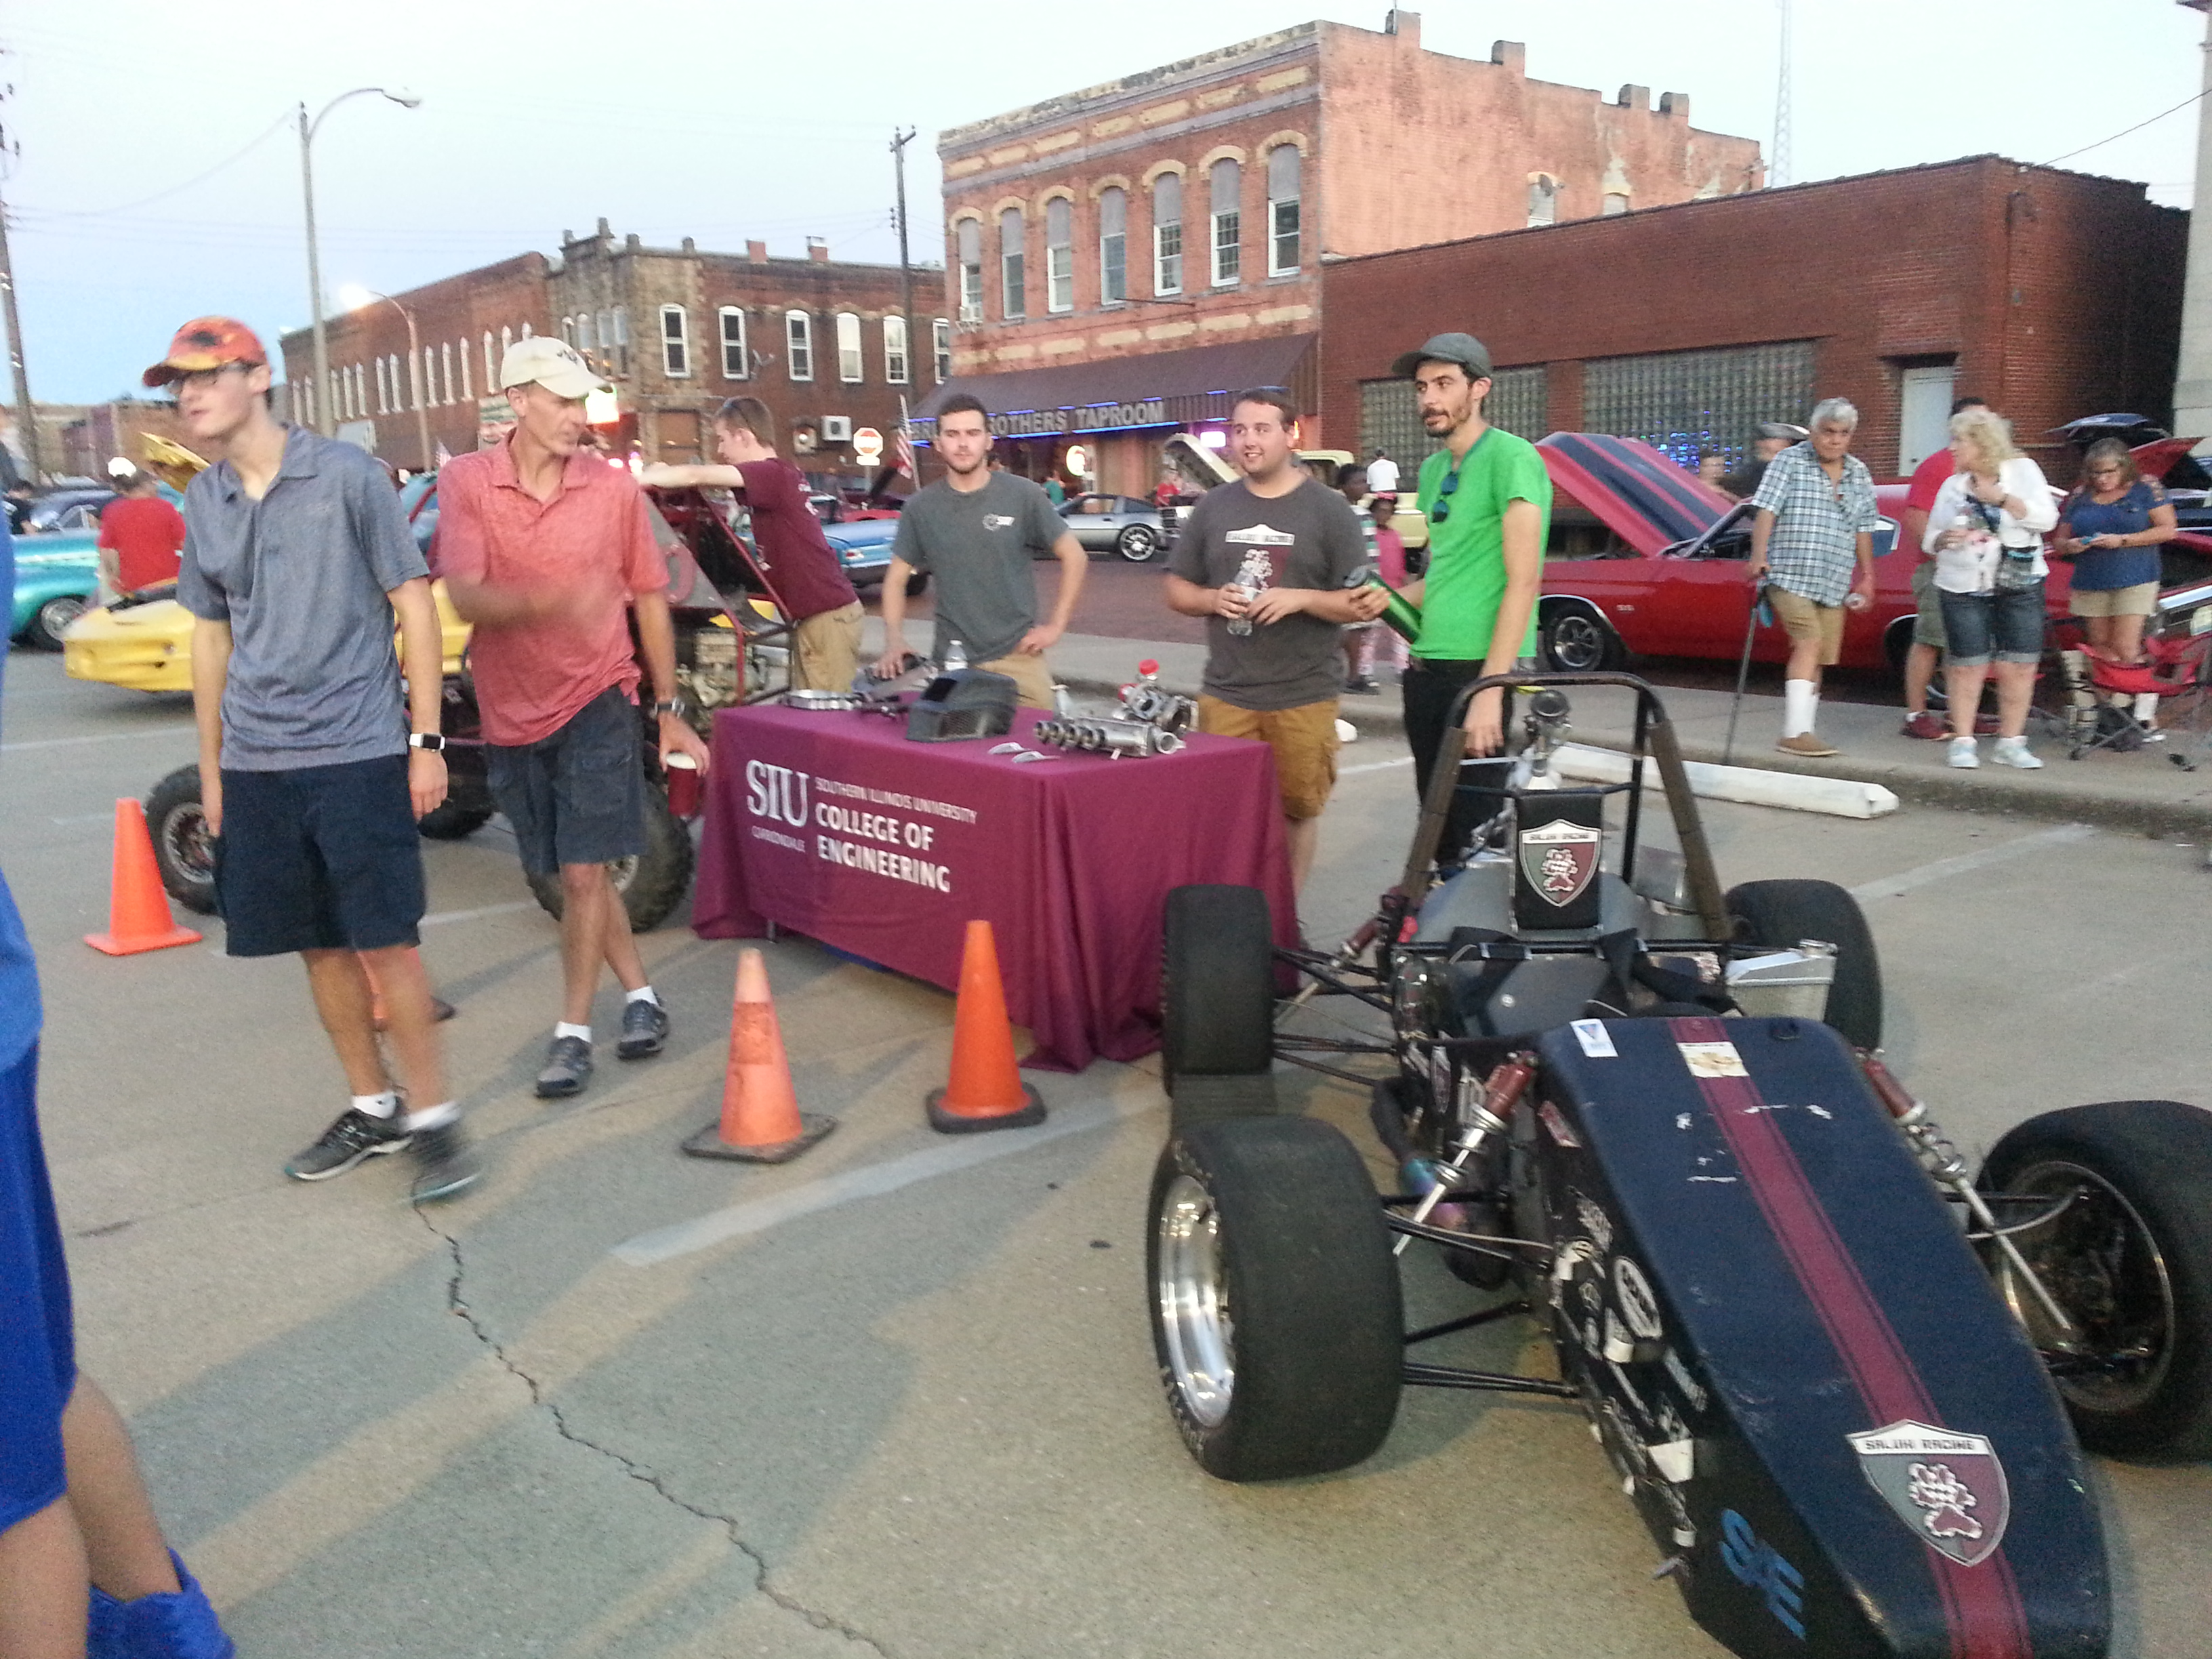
(1779, 914)
(1276, 1312)
(2130, 1260)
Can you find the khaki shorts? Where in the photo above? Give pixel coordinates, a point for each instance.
(1032, 679)
(1801, 619)
(825, 650)
(1927, 610)
(2141, 600)
(1304, 741)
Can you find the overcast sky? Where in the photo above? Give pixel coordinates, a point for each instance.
(159, 176)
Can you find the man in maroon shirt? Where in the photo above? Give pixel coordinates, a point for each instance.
(547, 550)
(141, 537)
(825, 613)
(1928, 640)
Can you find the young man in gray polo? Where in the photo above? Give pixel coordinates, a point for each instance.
(977, 531)
(296, 559)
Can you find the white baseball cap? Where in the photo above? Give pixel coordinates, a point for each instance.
(553, 364)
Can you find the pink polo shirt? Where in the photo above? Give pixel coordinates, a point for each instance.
(593, 537)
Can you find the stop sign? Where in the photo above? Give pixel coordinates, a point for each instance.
(867, 444)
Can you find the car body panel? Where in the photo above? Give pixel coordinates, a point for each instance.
(148, 647)
(1097, 521)
(64, 564)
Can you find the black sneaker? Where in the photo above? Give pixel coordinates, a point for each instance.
(644, 1028)
(450, 1165)
(567, 1064)
(354, 1136)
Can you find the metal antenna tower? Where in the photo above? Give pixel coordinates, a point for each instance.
(1777, 154)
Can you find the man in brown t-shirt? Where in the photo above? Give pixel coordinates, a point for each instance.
(809, 581)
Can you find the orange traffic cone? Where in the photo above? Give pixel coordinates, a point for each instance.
(761, 1122)
(137, 909)
(986, 1091)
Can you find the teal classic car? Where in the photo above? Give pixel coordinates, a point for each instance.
(57, 581)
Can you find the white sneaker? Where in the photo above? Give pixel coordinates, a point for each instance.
(2012, 751)
(1962, 754)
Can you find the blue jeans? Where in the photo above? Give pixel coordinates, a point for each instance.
(2006, 624)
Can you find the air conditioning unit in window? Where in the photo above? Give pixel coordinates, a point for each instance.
(836, 428)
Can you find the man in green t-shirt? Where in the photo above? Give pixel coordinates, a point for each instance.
(1488, 501)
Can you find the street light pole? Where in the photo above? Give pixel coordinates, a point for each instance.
(324, 402)
(899, 141)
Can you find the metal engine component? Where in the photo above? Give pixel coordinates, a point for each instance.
(710, 679)
(1155, 705)
(1114, 738)
(1789, 984)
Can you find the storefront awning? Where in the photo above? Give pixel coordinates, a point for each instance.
(1119, 394)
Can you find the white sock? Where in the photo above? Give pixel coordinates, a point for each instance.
(433, 1117)
(383, 1105)
(2147, 709)
(563, 1028)
(1801, 701)
(643, 993)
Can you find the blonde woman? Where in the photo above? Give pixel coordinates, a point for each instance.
(1986, 532)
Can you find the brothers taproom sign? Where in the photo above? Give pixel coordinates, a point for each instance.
(1052, 422)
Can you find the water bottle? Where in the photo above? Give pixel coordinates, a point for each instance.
(955, 656)
(1241, 626)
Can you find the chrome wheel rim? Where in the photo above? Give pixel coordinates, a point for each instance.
(1576, 642)
(1137, 545)
(621, 871)
(1194, 1302)
(56, 615)
(184, 836)
(2100, 1260)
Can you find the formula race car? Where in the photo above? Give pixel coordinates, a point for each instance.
(1846, 1381)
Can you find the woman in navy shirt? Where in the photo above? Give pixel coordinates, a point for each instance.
(2111, 528)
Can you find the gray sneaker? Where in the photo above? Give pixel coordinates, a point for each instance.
(567, 1065)
(644, 1029)
(352, 1137)
(450, 1165)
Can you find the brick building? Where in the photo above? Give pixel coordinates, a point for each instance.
(99, 433)
(821, 342)
(1118, 259)
(2052, 294)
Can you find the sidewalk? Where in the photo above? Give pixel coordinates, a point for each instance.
(2144, 792)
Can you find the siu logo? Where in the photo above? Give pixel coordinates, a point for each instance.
(1560, 859)
(1949, 1488)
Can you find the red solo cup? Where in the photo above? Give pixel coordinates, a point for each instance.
(683, 774)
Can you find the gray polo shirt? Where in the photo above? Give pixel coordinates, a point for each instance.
(301, 576)
(978, 544)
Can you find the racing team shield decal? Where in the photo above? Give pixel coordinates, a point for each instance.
(1560, 859)
(1948, 1488)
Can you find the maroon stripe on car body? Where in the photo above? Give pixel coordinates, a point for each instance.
(1981, 1604)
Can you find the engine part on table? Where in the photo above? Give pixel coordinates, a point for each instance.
(1146, 699)
(1029, 755)
(1115, 737)
(824, 701)
(961, 704)
(710, 679)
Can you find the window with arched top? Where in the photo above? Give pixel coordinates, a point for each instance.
(491, 369)
(675, 341)
(968, 235)
(1226, 183)
(798, 345)
(940, 340)
(461, 352)
(1543, 200)
(445, 369)
(737, 361)
(1013, 287)
(1616, 203)
(1060, 254)
(894, 352)
(850, 366)
(1113, 246)
(1284, 168)
(1167, 233)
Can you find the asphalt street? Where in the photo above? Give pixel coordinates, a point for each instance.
(898, 1397)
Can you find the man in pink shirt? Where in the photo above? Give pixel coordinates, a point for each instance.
(1928, 640)
(547, 550)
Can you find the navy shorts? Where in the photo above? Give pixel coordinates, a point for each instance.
(577, 797)
(322, 858)
(37, 1355)
(2007, 624)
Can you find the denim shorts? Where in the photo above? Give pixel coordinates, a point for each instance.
(320, 858)
(2006, 624)
(577, 797)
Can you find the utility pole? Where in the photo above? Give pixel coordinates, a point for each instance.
(899, 141)
(27, 415)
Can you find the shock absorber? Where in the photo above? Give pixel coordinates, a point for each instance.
(1484, 1115)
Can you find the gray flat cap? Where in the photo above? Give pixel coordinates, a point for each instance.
(1469, 353)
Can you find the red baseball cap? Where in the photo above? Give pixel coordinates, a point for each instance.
(207, 343)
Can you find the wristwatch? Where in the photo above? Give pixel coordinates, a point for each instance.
(433, 741)
(674, 706)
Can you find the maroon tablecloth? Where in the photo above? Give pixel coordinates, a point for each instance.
(834, 826)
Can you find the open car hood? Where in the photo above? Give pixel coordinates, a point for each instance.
(1635, 491)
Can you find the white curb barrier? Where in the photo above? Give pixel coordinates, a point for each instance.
(1797, 792)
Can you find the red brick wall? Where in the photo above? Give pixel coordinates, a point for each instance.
(2058, 294)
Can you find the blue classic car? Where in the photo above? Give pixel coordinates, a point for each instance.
(56, 578)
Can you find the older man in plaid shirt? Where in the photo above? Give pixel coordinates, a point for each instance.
(1811, 541)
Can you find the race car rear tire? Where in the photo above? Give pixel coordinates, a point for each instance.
(1276, 1312)
(1778, 913)
(177, 821)
(650, 886)
(2130, 1260)
(1218, 984)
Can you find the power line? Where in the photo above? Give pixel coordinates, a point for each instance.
(252, 144)
(2125, 131)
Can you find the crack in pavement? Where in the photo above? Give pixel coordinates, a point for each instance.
(457, 1304)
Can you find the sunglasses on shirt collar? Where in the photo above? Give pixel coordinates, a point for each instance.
(1441, 513)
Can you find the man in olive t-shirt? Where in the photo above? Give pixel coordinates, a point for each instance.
(1264, 561)
(1488, 501)
(976, 530)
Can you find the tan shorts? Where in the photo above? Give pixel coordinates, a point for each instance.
(1304, 741)
(825, 650)
(1032, 679)
(2141, 600)
(1801, 619)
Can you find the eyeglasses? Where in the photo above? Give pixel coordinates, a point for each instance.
(1441, 513)
(201, 379)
